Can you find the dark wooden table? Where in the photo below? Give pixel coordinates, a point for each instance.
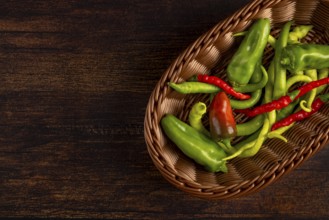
(76, 77)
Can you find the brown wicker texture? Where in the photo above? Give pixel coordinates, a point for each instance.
(210, 54)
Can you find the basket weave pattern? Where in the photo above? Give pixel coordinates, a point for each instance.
(210, 54)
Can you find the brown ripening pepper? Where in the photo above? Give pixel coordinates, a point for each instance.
(221, 118)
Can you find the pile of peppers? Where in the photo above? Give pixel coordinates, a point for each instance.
(291, 88)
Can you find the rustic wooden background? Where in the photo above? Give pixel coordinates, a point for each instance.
(75, 79)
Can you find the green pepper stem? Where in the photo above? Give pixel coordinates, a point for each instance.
(277, 135)
(311, 95)
(226, 145)
(278, 132)
(239, 34)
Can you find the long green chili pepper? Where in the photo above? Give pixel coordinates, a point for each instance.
(247, 143)
(269, 93)
(251, 137)
(254, 86)
(282, 113)
(195, 117)
(297, 57)
(251, 145)
(272, 115)
(278, 132)
(296, 79)
(251, 126)
(237, 153)
(194, 144)
(259, 141)
(250, 51)
(194, 87)
(298, 33)
(258, 78)
(280, 72)
(269, 86)
(313, 74)
(242, 104)
(323, 73)
(248, 139)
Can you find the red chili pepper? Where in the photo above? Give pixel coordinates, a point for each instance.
(298, 116)
(311, 85)
(221, 84)
(221, 118)
(274, 105)
(284, 100)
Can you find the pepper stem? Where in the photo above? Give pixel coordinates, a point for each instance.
(274, 134)
(226, 145)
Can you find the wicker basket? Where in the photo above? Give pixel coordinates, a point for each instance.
(210, 54)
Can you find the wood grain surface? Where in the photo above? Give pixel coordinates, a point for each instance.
(75, 79)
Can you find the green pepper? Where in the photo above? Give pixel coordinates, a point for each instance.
(269, 86)
(194, 87)
(195, 117)
(278, 132)
(250, 51)
(258, 81)
(251, 145)
(194, 144)
(323, 73)
(243, 104)
(282, 113)
(298, 57)
(313, 74)
(268, 96)
(249, 152)
(298, 33)
(250, 126)
(280, 72)
(296, 79)
(259, 84)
